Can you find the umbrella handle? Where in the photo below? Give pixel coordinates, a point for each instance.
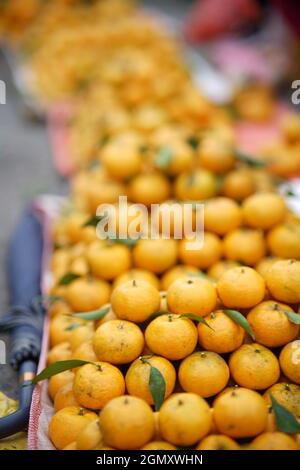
(18, 420)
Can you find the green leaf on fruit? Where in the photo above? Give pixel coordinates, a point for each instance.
(67, 278)
(57, 368)
(196, 318)
(238, 318)
(164, 157)
(285, 420)
(92, 315)
(157, 386)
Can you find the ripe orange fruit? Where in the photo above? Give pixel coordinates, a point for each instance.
(121, 168)
(155, 255)
(222, 215)
(118, 342)
(138, 275)
(264, 265)
(192, 295)
(138, 374)
(79, 266)
(240, 412)
(181, 158)
(58, 381)
(127, 423)
(196, 186)
(110, 315)
(96, 384)
(59, 307)
(104, 192)
(85, 352)
(238, 184)
(184, 419)
(270, 324)
(284, 240)
(204, 373)
(66, 424)
(73, 226)
(200, 254)
(224, 336)
(220, 267)
(89, 437)
(287, 395)
(264, 210)
(289, 360)
(109, 261)
(149, 188)
(217, 442)
(71, 446)
(215, 155)
(87, 294)
(254, 366)
(81, 334)
(241, 287)
(283, 280)
(135, 300)
(291, 127)
(171, 336)
(158, 445)
(60, 261)
(65, 397)
(244, 245)
(274, 441)
(178, 272)
(59, 328)
(60, 352)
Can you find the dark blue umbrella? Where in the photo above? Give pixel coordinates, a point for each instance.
(25, 318)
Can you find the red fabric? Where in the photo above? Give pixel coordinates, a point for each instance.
(210, 18)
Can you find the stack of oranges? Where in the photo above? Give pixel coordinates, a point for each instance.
(195, 348)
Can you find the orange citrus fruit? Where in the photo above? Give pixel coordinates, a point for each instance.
(118, 342)
(155, 255)
(184, 419)
(66, 424)
(254, 366)
(241, 287)
(240, 412)
(223, 336)
(287, 395)
(271, 325)
(201, 253)
(222, 215)
(263, 210)
(171, 336)
(244, 245)
(138, 374)
(127, 423)
(192, 295)
(289, 360)
(217, 442)
(274, 441)
(95, 384)
(135, 300)
(204, 373)
(283, 280)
